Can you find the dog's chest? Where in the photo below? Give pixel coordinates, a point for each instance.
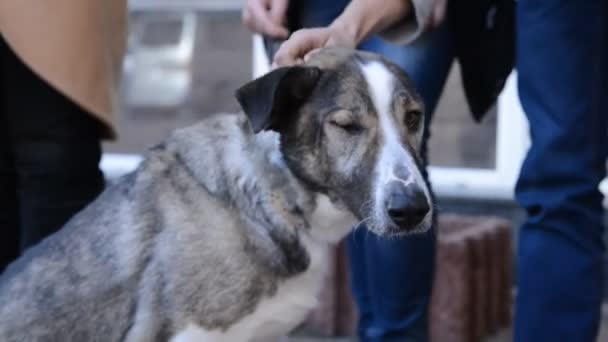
(274, 316)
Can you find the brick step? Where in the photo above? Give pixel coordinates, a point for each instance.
(472, 288)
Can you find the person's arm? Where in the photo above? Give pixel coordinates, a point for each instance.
(426, 14)
(399, 21)
(362, 18)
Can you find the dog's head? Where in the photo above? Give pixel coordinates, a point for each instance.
(351, 127)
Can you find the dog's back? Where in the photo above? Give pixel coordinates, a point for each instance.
(86, 297)
(164, 244)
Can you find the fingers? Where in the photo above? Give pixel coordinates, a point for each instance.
(299, 45)
(278, 11)
(312, 52)
(259, 18)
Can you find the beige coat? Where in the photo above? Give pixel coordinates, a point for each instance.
(75, 45)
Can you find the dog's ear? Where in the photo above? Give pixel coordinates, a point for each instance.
(267, 99)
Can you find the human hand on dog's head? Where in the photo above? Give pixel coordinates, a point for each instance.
(359, 20)
(305, 42)
(267, 17)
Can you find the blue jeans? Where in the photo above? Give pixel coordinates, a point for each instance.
(562, 65)
(392, 278)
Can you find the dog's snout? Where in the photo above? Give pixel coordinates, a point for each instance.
(408, 207)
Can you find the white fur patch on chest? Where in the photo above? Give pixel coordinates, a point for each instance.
(277, 315)
(328, 222)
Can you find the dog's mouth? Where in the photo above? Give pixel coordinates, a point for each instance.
(390, 229)
(400, 216)
(394, 230)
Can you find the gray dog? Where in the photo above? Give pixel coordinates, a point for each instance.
(223, 232)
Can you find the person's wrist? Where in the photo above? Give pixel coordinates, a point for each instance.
(347, 32)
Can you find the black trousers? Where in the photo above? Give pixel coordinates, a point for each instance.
(49, 154)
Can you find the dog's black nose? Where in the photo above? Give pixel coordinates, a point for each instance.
(408, 207)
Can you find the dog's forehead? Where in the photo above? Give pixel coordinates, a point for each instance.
(349, 67)
(331, 58)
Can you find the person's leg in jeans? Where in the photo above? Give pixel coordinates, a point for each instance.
(55, 148)
(562, 67)
(392, 278)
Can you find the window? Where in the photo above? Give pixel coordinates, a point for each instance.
(184, 61)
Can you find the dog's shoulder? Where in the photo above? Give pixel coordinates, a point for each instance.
(246, 171)
(212, 148)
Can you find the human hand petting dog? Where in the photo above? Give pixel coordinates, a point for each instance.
(360, 19)
(302, 43)
(267, 17)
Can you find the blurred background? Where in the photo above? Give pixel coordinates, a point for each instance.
(186, 58)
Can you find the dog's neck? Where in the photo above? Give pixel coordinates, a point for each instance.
(248, 172)
(328, 220)
(295, 214)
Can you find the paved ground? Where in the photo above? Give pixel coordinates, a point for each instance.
(502, 336)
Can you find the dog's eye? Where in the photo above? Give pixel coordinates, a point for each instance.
(344, 120)
(413, 119)
(349, 127)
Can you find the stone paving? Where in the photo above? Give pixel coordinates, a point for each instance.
(505, 335)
